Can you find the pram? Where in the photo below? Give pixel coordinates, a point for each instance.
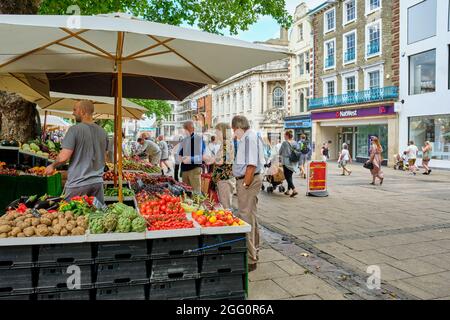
(274, 176)
(401, 162)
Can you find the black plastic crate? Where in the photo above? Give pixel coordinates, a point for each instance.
(174, 290)
(221, 287)
(65, 295)
(224, 243)
(122, 251)
(174, 247)
(135, 292)
(238, 297)
(173, 269)
(65, 254)
(16, 281)
(16, 256)
(55, 278)
(223, 263)
(121, 273)
(21, 297)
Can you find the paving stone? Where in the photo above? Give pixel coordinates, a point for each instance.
(416, 267)
(266, 255)
(389, 273)
(267, 270)
(419, 293)
(370, 257)
(307, 297)
(266, 290)
(307, 285)
(332, 247)
(437, 284)
(290, 267)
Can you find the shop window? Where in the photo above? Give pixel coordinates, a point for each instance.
(422, 73)
(422, 21)
(278, 98)
(436, 130)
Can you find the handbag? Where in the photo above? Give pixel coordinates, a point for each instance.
(368, 165)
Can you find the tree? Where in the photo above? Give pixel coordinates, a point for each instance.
(18, 116)
(158, 108)
(216, 16)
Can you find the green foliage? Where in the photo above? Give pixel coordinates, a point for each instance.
(108, 125)
(158, 108)
(215, 16)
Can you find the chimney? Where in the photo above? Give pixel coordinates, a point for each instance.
(284, 34)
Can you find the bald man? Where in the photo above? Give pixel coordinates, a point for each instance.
(85, 145)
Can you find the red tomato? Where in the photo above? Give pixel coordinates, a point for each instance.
(163, 208)
(208, 224)
(154, 203)
(169, 211)
(181, 210)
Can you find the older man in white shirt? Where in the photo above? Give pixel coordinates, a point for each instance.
(247, 168)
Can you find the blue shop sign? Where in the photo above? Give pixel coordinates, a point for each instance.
(298, 124)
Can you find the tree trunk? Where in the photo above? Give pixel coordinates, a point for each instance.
(17, 116)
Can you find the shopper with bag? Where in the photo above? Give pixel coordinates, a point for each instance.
(427, 149)
(290, 156)
(344, 159)
(376, 158)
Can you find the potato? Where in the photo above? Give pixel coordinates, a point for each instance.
(35, 221)
(57, 229)
(43, 211)
(61, 215)
(29, 213)
(29, 232)
(21, 218)
(10, 235)
(55, 222)
(41, 226)
(46, 221)
(21, 235)
(63, 222)
(28, 219)
(78, 231)
(42, 232)
(64, 232)
(3, 235)
(5, 223)
(5, 229)
(8, 217)
(50, 231)
(16, 231)
(69, 215)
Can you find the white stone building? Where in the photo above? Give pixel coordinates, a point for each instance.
(424, 77)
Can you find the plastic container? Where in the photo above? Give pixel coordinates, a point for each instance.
(223, 263)
(56, 278)
(16, 256)
(122, 251)
(134, 292)
(174, 247)
(65, 254)
(224, 243)
(16, 281)
(222, 286)
(174, 290)
(65, 295)
(121, 273)
(173, 269)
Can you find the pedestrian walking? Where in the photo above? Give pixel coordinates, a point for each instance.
(247, 169)
(376, 159)
(222, 173)
(325, 152)
(164, 154)
(427, 149)
(192, 151)
(290, 155)
(412, 152)
(305, 150)
(344, 159)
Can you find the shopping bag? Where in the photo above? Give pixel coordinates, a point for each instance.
(206, 181)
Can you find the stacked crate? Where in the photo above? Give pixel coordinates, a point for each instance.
(16, 273)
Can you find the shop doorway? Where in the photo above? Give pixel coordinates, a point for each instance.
(347, 136)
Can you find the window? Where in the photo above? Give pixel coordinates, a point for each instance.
(307, 65)
(435, 129)
(373, 38)
(300, 32)
(422, 21)
(302, 102)
(330, 54)
(330, 89)
(422, 72)
(302, 64)
(350, 47)
(242, 101)
(250, 100)
(372, 6)
(278, 98)
(349, 11)
(330, 20)
(374, 80)
(350, 84)
(298, 65)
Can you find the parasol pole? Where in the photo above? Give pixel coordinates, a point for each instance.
(119, 112)
(115, 135)
(45, 126)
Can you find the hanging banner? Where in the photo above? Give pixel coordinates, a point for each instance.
(317, 179)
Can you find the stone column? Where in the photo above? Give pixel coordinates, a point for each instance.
(265, 92)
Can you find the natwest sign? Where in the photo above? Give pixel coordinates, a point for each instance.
(355, 113)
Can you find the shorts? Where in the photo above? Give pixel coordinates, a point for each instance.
(344, 163)
(411, 162)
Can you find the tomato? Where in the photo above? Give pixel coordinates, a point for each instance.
(208, 224)
(162, 202)
(163, 208)
(169, 211)
(212, 219)
(181, 210)
(202, 220)
(155, 211)
(154, 203)
(230, 221)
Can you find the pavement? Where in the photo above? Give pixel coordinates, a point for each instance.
(321, 248)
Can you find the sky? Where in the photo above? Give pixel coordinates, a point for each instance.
(267, 28)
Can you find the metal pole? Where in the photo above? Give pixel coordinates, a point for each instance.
(119, 114)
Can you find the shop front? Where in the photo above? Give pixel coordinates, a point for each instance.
(355, 127)
(300, 125)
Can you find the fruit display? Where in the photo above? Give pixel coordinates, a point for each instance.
(114, 192)
(47, 149)
(216, 218)
(42, 223)
(119, 218)
(39, 171)
(8, 172)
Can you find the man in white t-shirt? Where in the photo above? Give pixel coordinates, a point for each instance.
(411, 152)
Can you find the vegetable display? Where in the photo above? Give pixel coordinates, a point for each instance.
(119, 218)
(78, 205)
(114, 192)
(216, 218)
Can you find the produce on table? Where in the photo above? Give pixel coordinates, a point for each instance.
(154, 185)
(33, 202)
(46, 149)
(127, 176)
(216, 218)
(78, 205)
(39, 171)
(9, 172)
(42, 223)
(114, 192)
(117, 218)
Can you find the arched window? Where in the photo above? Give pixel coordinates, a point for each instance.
(278, 98)
(302, 102)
